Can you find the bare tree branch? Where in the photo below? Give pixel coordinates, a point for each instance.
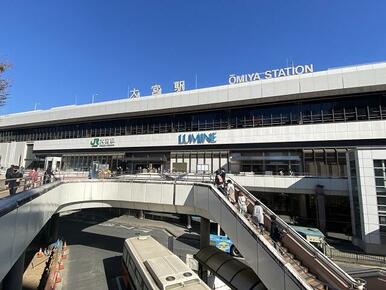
(4, 84)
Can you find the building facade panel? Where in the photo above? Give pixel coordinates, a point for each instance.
(228, 137)
(187, 101)
(370, 167)
(292, 140)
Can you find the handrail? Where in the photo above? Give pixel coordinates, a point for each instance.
(285, 175)
(354, 256)
(259, 238)
(25, 183)
(317, 254)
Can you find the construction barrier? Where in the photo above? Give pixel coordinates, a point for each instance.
(55, 265)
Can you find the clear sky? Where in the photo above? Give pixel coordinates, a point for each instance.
(65, 51)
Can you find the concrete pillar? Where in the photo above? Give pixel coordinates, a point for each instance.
(141, 215)
(188, 222)
(204, 242)
(303, 206)
(171, 243)
(320, 208)
(14, 279)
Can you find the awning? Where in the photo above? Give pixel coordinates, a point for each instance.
(230, 270)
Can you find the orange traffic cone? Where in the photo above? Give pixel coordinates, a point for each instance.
(61, 265)
(64, 256)
(40, 253)
(58, 279)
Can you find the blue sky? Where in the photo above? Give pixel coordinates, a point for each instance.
(68, 50)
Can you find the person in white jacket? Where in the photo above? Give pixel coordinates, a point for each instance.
(242, 201)
(258, 217)
(231, 192)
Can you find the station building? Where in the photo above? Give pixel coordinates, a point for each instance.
(311, 146)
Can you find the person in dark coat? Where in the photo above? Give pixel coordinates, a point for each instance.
(8, 173)
(218, 179)
(223, 173)
(48, 175)
(274, 232)
(10, 177)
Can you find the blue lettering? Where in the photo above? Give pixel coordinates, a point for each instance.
(212, 138)
(199, 138)
(192, 139)
(182, 139)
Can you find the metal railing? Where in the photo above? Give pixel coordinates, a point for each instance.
(317, 255)
(189, 177)
(286, 174)
(14, 186)
(17, 185)
(355, 257)
(165, 176)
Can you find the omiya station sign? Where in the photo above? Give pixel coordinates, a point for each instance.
(179, 86)
(269, 74)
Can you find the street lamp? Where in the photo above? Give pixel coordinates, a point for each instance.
(93, 97)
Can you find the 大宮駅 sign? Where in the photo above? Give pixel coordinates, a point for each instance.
(197, 138)
(102, 142)
(269, 74)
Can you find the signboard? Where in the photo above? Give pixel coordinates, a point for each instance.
(202, 167)
(269, 74)
(197, 138)
(102, 142)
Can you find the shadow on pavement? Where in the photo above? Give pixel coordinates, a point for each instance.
(192, 240)
(113, 269)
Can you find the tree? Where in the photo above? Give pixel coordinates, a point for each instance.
(4, 84)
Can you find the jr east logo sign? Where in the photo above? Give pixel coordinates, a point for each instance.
(102, 142)
(198, 138)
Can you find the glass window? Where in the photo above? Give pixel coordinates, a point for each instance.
(379, 172)
(382, 219)
(347, 109)
(378, 163)
(382, 209)
(379, 182)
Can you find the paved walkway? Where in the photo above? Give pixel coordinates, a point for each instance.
(174, 229)
(34, 272)
(95, 248)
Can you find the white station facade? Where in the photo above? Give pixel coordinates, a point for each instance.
(311, 145)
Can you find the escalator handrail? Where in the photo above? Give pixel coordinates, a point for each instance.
(317, 254)
(262, 241)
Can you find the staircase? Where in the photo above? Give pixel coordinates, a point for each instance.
(303, 271)
(316, 269)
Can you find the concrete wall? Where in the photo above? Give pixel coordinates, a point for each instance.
(292, 184)
(13, 153)
(365, 130)
(371, 237)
